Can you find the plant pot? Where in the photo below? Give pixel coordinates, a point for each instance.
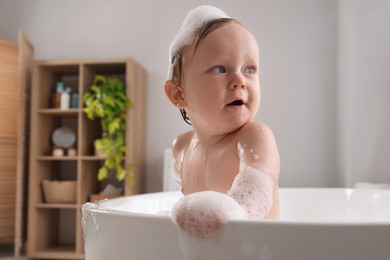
(60, 191)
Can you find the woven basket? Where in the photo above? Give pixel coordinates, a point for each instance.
(60, 191)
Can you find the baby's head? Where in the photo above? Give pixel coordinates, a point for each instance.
(213, 49)
(197, 24)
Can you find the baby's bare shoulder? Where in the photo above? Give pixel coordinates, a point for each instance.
(260, 140)
(259, 136)
(181, 142)
(255, 131)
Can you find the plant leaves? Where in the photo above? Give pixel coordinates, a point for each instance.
(118, 159)
(109, 163)
(120, 173)
(100, 79)
(129, 104)
(131, 177)
(102, 174)
(107, 100)
(114, 125)
(86, 96)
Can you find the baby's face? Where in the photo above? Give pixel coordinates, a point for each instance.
(221, 80)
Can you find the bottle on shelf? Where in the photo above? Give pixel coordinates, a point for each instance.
(74, 100)
(65, 98)
(56, 101)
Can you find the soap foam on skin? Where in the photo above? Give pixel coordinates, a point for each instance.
(253, 190)
(202, 214)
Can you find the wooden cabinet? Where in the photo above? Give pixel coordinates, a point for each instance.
(15, 77)
(8, 137)
(54, 229)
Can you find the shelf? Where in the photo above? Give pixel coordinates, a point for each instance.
(57, 206)
(54, 229)
(92, 158)
(71, 158)
(59, 112)
(58, 252)
(57, 158)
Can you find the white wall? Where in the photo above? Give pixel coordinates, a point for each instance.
(364, 40)
(299, 74)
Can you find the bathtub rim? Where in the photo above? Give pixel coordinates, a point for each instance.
(98, 208)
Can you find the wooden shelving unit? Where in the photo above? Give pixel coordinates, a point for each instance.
(54, 230)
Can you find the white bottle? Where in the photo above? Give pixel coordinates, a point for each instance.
(65, 99)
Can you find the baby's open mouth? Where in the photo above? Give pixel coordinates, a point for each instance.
(238, 102)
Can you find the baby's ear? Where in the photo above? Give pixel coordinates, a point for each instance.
(175, 94)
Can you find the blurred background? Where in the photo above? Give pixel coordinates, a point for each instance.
(325, 73)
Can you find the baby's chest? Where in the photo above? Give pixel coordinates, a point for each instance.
(211, 171)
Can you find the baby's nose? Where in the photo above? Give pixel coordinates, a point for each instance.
(237, 81)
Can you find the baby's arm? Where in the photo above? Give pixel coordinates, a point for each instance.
(256, 185)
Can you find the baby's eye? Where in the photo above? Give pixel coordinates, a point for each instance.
(218, 69)
(250, 70)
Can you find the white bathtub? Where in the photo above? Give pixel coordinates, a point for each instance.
(315, 224)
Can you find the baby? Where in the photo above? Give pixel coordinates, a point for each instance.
(227, 165)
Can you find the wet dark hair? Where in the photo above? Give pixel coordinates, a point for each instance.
(200, 35)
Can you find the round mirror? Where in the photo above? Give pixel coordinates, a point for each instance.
(64, 137)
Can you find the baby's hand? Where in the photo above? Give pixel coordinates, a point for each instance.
(202, 214)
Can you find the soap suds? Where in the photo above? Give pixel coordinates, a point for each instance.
(199, 217)
(253, 190)
(202, 214)
(194, 20)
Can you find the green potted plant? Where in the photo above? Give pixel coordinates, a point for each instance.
(107, 100)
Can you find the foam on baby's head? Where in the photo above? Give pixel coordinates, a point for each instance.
(195, 19)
